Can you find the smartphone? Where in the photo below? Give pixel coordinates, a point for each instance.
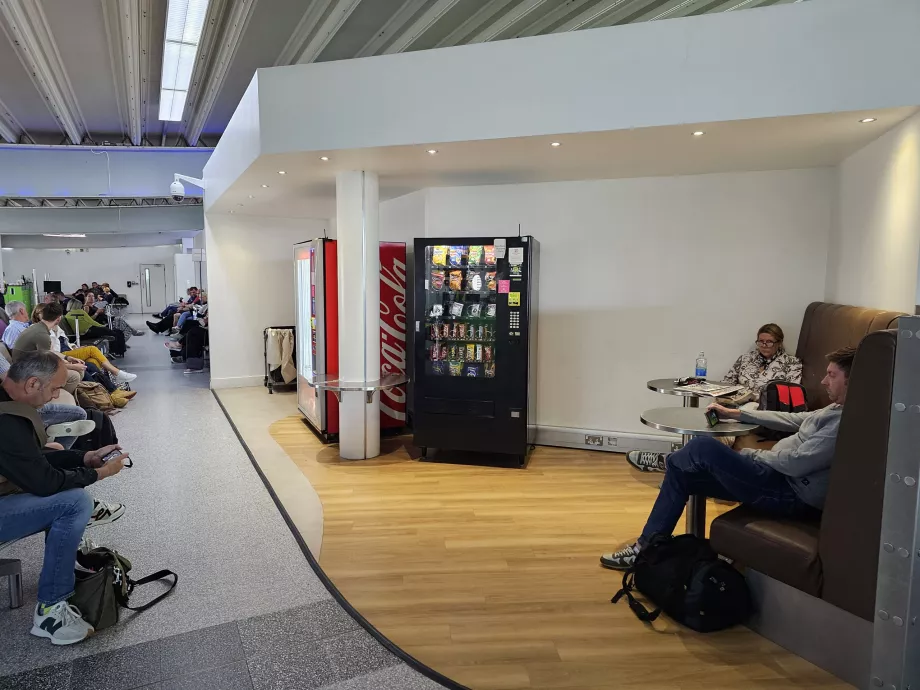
(115, 454)
(712, 417)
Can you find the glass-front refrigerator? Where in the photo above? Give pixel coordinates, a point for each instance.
(475, 344)
(316, 270)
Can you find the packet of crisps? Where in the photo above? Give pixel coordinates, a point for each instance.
(490, 254)
(470, 353)
(439, 368)
(471, 370)
(491, 282)
(456, 256)
(475, 311)
(439, 255)
(490, 311)
(456, 368)
(490, 370)
(474, 280)
(475, 255)
(456, 309)
(437, 280)
(456, 280)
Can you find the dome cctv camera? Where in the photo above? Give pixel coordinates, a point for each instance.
(177, 190)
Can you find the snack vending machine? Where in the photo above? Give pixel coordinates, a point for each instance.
(475, 344)
(315, 264)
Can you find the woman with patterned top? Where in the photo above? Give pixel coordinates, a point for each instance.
(753, 370)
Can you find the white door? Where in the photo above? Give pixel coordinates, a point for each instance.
(153, 288)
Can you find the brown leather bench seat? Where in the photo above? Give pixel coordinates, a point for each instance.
(833, 555)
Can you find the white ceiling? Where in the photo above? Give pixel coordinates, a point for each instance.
(307, 189)
(96, 240)
(75, 91)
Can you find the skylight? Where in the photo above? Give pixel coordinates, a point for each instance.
(184, 24)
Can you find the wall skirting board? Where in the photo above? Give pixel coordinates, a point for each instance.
(236, 382)
(597, 439)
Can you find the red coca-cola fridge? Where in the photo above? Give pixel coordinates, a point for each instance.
(318, 332)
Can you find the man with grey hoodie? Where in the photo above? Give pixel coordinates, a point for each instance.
(789, 479)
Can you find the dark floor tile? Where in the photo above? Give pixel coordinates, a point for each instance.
(55, 677)
(297, 666)
(120, 669)
(357, 653)
(218, 645)
(305, 623)
(232, 677)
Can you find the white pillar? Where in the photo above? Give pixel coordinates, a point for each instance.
(357, 202)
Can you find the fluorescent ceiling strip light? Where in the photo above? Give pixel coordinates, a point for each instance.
(184, 24)
(64, 234)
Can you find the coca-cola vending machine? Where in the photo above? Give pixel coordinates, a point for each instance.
(318, 332)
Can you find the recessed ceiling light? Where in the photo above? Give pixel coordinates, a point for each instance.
(252, 196)
(64, 234)
(231, 211)
(264, 186)
(282, 172)
(698, 133)
(866, 120)
(556, 144)
(432, 151)
(324, 158)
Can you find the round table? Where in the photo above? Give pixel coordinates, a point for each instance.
(670, 387)
(690, 422)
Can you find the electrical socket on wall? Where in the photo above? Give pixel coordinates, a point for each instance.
(611, 440)
(594, 440)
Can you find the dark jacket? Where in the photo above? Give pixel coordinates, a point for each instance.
(26, 466)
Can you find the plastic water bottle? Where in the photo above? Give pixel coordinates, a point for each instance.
(701, 366)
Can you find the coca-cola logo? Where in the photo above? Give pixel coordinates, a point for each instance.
(393, 327)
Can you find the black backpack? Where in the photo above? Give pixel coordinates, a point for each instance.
(103, 435)
(684, 577)
(781, 396)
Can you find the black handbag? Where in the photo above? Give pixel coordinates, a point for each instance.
(105, 587)
(683, 577)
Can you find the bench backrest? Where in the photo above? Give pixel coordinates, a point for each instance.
(852, 520)
(827, 327)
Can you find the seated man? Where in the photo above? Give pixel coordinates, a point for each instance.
(788, 480)
(43, 491)
(18, 314)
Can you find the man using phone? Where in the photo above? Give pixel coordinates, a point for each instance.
(43, 491)
(789, 479)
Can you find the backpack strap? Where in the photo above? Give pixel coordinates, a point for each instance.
(153, 577)
(642, 613)
(18, 409)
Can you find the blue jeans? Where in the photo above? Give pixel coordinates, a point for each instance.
(63, 517)
(56, 413)
(708, 468)
(183, 317)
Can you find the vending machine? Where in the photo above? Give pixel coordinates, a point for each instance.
(315, 264)
(475, 344)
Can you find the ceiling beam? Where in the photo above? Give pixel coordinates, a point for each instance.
(238, 14)
(10, 129)
(411, 34)
(670, 10)
(506, 21)
(31, 37)
(325, 32)
(556, 14)
(302, 32)
(394, 24)
(473, 23)
(129, 29)
(586, 19)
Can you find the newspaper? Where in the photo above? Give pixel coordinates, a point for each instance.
(713, 390)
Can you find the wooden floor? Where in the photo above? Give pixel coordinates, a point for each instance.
(491, 576)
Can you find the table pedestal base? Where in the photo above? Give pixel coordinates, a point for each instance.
(696, 506)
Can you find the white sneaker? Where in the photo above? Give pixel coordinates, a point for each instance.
(75, 428)
(124, 377)
(60, 623)
(104, 513)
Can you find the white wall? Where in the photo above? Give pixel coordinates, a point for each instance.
(403, 219)
(876, 240)
(114, 266)
(250, 287)
(639, 275)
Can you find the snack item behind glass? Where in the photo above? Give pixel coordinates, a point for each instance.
(474, 311)
(480, 333)
(435, 351)
(471, 370)
(453, 353)
(435, 332)
(456, 256)
(470, 353)
(490, 254)
(461, 331)
(487, 353)
(456, 280)
(439, 255)
(443, 353)
(474, 281)
(439, 368)
(490, 370)
(437, 280)
(456, 309)
(491, 282)
(437, 310)
(479, 353)
(456, 368)
(475, 258)
(490, 311)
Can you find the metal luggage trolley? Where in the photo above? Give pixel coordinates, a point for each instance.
(267, 381)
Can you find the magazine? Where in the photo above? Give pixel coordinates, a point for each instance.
(713, 390)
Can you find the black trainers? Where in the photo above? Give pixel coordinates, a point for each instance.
(624, 559)
(645, 461)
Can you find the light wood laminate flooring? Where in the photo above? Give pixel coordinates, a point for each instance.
(491, 576)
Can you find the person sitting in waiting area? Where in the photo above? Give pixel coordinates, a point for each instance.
(94, 307)
(44, 492)
(81, 323)
(192, 297)
(19, 321)
(788, 480)
(753, 370)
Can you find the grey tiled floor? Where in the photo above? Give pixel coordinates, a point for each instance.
(248, 611)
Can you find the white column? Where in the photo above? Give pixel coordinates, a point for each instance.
(357, 202)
